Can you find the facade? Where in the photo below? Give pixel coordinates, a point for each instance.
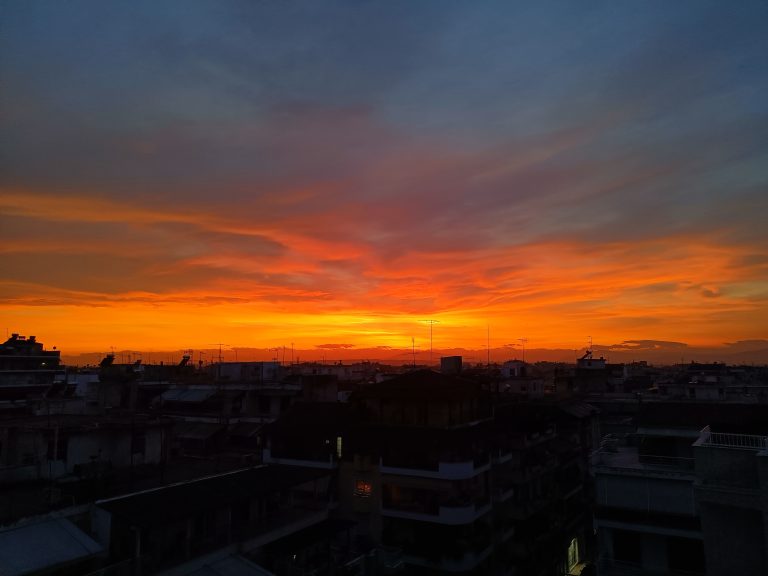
(60, 446)
(677, 497)
(244, 511)
(27, 368)
(731, 491)
(456, 479)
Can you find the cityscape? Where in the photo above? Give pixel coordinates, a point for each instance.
(383, 288)
(289, 467)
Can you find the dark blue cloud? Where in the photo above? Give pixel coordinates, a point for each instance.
(194, 100)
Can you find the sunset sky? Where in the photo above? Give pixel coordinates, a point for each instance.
(176, 174)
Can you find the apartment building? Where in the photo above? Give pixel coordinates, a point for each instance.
(681, 497)
(459, 479)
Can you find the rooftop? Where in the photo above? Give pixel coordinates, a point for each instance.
(420, 384)
(39, 546)
(178, 501)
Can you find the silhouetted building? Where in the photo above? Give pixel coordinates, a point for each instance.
(430, 464)
(245, 511)
(26, 368)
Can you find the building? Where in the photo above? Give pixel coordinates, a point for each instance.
(679, 496)
(76, 446)
(456, 479)
(731, 490)
(245, 511)
(27, 368)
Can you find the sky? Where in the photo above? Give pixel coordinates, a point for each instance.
(332, 174)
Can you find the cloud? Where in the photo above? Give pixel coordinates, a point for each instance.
(648, 345)
(746, 345)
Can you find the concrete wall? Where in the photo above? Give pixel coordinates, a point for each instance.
(734, 540)
(726, 466)
(660, 495)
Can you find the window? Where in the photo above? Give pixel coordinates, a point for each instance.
(627, 546)
(573, 554)
(57, 447)
(338, 447)
(138, 442)
(363, 488)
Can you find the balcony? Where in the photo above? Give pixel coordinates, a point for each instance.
(329, 463)
(611, 567)
(464, 562)
(445, 470)
(732, 441)
(628, 460)
(728, 468)
(445, 514)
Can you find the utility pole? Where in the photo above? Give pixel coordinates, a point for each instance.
(431, 324)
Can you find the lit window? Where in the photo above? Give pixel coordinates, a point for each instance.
(338, 447)
(363, 488)
(573, 554)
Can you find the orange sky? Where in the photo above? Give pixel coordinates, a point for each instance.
(163, 278)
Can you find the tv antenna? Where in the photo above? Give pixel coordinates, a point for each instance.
(219, 344)
(488, 343)
(523, 341)
(431, 324)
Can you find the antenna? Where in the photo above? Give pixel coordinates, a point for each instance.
(522, 341)
(590, 343)
(413, 348)
(431, 324)
(488, 343)
(219, 344)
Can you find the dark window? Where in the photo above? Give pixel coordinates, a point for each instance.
(627, 546)
(138, 442)
(59, 445)
(686, 555)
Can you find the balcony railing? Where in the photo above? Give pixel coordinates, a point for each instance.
(445, 470)
(454, 514)
(611, 567)
(728, 440)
